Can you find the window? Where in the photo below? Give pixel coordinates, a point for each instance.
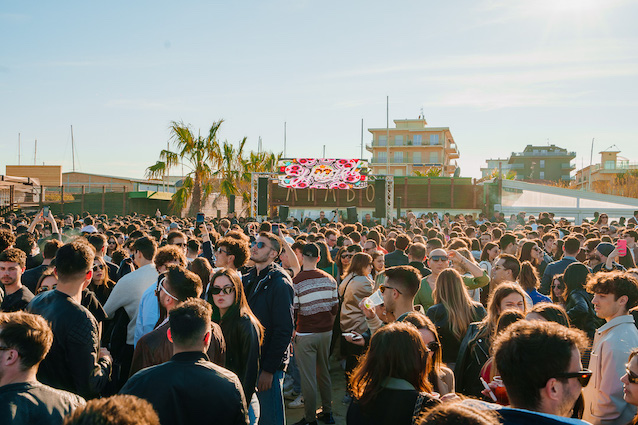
(542, 175)
(610, 165)
(417, 140)
(434, 157)
(542, 163)
(398, 157)
(383, 140)
(434, 139)
(398, 140)
(398, 172)
(382, 157)
(416, 158)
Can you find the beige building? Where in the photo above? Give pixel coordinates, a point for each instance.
(606, 170)
(412, 146)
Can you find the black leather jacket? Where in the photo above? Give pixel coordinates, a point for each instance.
(242, 351)
(73, 363)
(25, 403)
(580, 312)
(474, 352)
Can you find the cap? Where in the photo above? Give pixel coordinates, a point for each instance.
(174, 226)
(310, 250)
(605, 248)
(89, 229)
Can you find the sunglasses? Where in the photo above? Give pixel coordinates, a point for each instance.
(259, 245)
(438, 258)
(161, 288)
(45, 288)
(98, 267)
(559, 286)
(222, 251)
(433, 346)
(631, 377)
(346, 255)
(382, 288)
(583, 376)
(226, 290)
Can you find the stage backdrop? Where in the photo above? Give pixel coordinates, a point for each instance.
(323, 173)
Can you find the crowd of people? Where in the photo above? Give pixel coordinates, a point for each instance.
(433, 319)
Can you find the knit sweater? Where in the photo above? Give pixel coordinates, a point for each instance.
(315, 302)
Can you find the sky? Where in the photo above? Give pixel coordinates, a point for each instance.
(501, 74)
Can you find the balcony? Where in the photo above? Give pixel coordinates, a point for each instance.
(543, 153)
(567, 166)
(406, 143)
(452, 150)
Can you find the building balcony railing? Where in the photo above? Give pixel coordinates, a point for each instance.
(405, 143)
(568, 166)
(544, 153)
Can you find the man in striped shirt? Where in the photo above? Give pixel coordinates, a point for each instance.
(315, 303)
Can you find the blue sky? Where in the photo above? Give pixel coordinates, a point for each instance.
(500, 74)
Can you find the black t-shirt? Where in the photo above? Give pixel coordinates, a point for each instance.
(17, 301)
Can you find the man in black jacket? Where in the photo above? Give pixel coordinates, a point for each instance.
(398, 256)
(270, 295)
(24, 341)
(75, 362)
(189, 389)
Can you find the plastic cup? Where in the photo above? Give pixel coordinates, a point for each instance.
(374, 300)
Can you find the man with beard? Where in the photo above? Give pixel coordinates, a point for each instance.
(12, 265)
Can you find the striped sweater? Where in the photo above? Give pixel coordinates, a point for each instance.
(316, 301)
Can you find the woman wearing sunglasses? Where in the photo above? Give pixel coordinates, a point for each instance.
(100, 284)
(242, 331)
(440, 376)
(630, 381)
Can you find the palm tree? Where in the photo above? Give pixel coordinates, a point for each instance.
(201, 155)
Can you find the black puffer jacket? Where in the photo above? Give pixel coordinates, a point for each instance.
(270, 294)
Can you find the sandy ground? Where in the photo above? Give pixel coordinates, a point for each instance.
(338, 391)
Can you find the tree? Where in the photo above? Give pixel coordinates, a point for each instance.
(201, 155)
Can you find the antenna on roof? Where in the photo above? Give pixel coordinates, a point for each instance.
(422, 116)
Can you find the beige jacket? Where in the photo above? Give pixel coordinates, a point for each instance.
(352, 290)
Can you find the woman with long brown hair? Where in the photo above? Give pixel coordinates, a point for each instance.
(242, 331)
(530, 251)
(453, 312)
(475, 347)
(356, 286)
(528, 279)
(390, 384)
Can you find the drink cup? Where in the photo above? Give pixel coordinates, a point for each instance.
(374, 300)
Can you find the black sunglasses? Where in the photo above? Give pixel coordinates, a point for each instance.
(583, 376)
(382, 288)
(98, 267)
(227, 290)
(433, 346)
(631, 377)
(438, 258)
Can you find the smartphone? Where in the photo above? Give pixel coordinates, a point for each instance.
(622, 247)
(489, 390)
(200, 218)
(275, 229)
(45, 214)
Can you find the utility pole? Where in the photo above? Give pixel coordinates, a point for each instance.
(35, 151)
(284, 139)
(72, 149)
(591, 159)
(387, 142)
(18, 148)
(361, 157)
(324, 151)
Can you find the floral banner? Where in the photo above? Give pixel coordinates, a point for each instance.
(323, 173)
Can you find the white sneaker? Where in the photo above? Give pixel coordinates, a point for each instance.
(291, 395)
(296, 403)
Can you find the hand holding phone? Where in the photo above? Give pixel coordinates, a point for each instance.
(621, 246)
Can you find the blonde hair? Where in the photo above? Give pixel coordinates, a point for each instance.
(450, 291)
